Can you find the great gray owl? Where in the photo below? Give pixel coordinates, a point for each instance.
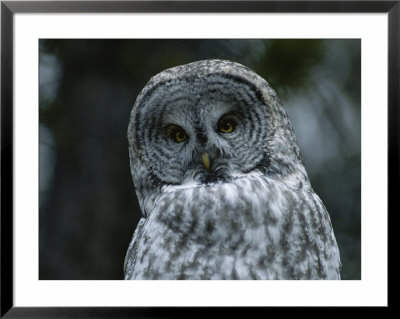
(220, 181)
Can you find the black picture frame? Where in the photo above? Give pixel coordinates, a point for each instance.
(9, 8)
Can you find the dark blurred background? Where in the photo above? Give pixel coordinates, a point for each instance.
(88, 206)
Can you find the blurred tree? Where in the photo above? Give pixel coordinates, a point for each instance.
(288, 65)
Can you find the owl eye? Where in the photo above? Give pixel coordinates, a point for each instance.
(177, 133)
(226, 125)
(180, 136)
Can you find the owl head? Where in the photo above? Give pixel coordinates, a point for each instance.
(210, 122)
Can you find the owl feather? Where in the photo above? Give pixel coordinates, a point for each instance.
(221, 183)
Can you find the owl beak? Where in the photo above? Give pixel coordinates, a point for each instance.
(206, 160)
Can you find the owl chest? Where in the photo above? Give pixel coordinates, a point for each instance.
(220, 216)
(228, 238)
(165, 253)
(248, 230)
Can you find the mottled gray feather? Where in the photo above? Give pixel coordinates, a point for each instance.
(253, 213)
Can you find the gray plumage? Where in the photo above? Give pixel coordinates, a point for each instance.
(221, 183)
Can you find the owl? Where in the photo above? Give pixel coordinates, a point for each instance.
(221, 183)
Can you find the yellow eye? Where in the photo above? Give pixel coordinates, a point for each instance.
(180, 136)
(226, 126)
(177, 133)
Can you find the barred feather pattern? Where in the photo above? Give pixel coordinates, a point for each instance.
(253, 214)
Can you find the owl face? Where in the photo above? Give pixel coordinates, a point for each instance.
(208, 122)
(202, 129)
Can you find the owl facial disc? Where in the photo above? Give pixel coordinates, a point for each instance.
(207, 122)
